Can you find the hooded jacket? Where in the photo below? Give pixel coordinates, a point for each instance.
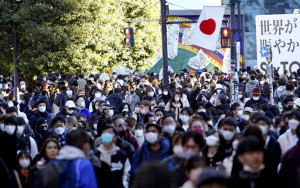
(143, 153)
(281, 90)
(84, 174)
(249, 87)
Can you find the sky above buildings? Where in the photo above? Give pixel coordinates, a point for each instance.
(192, 4)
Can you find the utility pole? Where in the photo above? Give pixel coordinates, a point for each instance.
(164, 44)
(15, 53)
(233, 75)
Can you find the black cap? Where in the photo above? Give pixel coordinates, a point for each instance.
(40, 121)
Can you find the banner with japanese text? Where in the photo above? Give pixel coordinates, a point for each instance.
(282, 33)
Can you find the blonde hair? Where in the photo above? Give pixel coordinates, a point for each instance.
(71, 120)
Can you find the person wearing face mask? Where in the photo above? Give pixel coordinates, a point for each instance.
(66, 95)
(28, 141)
(41, 112)
(228, 128)
(237, 112)
(150, 94)
(175, 105)
(143, 109)
(58, 129)
(288, 104)
(68, 110)
(250, 153)
(280, 90)
(218, 90)
(227, 163)
(185, 117)
(80, 107)
(290, 165)
(8, 143)
(155, 148)
(107, 110)
(2, 129)
(215, 150)
(132, 99)
(251, 85)
(257, 99)
(169, 125)
(289, 139)
(22, 172)
(246, 118)
(271, 144)
(114, 157)
(77, 170)
(41, 132)
(166, 96)
(139, 134)
(176, 161)
(98, 96)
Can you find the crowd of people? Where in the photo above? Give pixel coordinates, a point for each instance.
(129, 131)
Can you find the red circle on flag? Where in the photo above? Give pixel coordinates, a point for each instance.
(208, 27)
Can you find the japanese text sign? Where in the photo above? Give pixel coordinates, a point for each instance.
(281, 32)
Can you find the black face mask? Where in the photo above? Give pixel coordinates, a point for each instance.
(132, 92)
(83, 124)
(42, 129)
(122, 133)
(290, 107)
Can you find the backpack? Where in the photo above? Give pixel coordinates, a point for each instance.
(57, 173)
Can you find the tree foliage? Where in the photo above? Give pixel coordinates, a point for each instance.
(79, 35)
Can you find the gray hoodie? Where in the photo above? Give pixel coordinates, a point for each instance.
(281, 90)
(70, 153)
(250, 86)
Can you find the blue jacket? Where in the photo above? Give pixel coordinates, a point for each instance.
(85, 112)
(145, 155)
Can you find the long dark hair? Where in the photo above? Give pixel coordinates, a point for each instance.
(43, 148)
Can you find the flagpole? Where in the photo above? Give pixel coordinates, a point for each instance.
(233, 74)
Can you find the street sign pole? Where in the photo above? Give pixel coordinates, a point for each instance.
(269, 71)
(233, 75)
(164, 44)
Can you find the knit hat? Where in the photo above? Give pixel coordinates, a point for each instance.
(256, 91)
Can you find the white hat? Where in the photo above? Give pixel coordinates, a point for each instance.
(219, 86)
(297, 102)
(248, 109)
(70, 104)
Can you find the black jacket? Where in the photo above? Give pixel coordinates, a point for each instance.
(262, 100)
(36, 115)
(115, 100)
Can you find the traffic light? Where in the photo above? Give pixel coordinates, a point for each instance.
(129, 39)
(225, 37)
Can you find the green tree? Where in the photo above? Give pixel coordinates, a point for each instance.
(79, 35)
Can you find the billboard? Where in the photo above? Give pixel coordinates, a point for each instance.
(281, 32)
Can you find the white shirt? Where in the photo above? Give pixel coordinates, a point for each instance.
(293, 138)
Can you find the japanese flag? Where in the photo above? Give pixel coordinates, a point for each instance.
(207, 30)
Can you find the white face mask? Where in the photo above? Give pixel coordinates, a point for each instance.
(157, 118)
(184, 118)
(178, 151)
(235, 144)
(170, 129)
(24, 163)
(10, 129)
(20, 130)
(69, 92)
(293, 124)
(240, 113)
(228, 135)
(202, 110)
(82, 104)
(151, 137)
(212, 141)
(159, 92)
(177, 99)
(246, 117)
(98, 95)
(143, 111)
(125, 110)
(42, 109)
(2, 127)
(264, 129)
(95, 126)
(70, 112)
(256, 98)
(210, 122)
(151, 94)
(111, 113)
(59, 130)
(139, 133)
(240, 96)
(166, 93)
